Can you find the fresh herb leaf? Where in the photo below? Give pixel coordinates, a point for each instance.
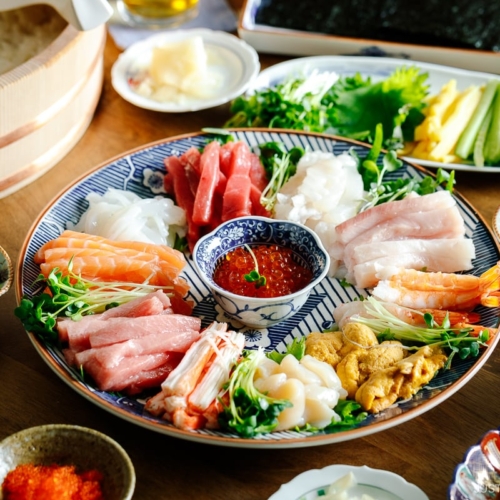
(70, 295)
(351, 416)
(248, 411)
(254, 276)
(297, 348)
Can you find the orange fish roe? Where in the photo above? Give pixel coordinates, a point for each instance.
(51, 482)
(283, 275)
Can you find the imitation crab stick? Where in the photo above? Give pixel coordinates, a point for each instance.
(189, 394)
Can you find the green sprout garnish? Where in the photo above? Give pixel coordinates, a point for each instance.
(254, 276)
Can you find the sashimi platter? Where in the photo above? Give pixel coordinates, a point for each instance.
(407, 312)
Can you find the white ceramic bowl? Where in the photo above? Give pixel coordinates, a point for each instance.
(63, 444)
(253, 230)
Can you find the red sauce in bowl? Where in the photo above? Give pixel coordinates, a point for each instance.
(282, 274)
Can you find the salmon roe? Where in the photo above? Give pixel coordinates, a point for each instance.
(51, 482)
(283, 275)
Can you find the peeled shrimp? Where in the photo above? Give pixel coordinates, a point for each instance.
(421, 290)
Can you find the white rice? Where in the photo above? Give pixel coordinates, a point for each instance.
(26, 32)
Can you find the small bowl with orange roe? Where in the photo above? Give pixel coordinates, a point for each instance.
(64, 462)
(260, 271)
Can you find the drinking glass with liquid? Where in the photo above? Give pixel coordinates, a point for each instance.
(157, 13)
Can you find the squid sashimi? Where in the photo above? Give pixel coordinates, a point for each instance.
(417, 289)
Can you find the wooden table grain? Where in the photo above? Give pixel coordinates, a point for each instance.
(424, 450)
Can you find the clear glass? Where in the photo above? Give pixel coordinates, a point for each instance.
(157, 13)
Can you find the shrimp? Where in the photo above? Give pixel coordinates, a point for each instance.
(454, 292)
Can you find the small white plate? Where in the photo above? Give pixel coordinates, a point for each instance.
(379, 484)
(239, 66)
(377, 68)
(496, 223)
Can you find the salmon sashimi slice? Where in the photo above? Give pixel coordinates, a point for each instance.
(165, 252)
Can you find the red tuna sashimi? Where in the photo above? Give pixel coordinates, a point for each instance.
(184, 197)
(209, 166)
(257, 207)
(111, 355)
(147, 305)
(121, 329)
(236, 202)
(225, 154)
(153, 378)
(258, 174)
(121, 376)
(191, 158)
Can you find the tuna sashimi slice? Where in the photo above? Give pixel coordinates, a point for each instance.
(147, 379)
(119, 377)
(209, 166)
(120, 329)
(147, 305)
(110, 356)
(183, 196)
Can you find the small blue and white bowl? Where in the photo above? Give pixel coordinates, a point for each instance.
(253, 230)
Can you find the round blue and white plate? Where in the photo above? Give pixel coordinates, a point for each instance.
(141, 171)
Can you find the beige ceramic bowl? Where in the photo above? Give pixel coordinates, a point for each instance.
(71, 445)
(6, 272)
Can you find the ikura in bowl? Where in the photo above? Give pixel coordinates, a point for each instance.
(307, 253)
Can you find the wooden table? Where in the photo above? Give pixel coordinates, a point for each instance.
(424, 450)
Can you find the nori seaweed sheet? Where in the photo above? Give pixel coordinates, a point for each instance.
(457, 23)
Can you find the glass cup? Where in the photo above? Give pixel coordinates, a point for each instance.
(157, 13)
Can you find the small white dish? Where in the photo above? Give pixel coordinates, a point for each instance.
(239, 65)
(379, 484)
(496, 223)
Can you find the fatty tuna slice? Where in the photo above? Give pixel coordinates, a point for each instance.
(120, 329)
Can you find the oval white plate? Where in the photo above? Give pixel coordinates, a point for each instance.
(141, 171)
(241, 66)
(380, 484)
(377, 68)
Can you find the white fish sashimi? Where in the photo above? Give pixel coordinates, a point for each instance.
(124, 216)
(445, 255)
(443, 223)
(364, 221)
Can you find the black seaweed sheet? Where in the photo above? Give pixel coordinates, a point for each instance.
(458, 23)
